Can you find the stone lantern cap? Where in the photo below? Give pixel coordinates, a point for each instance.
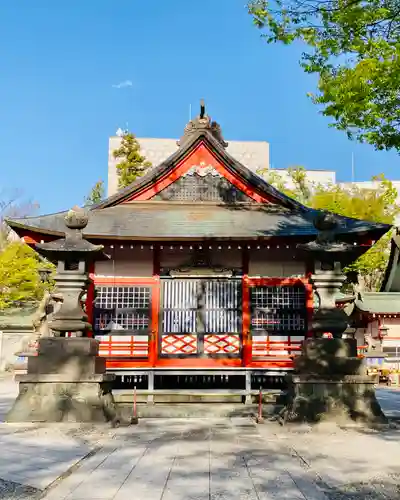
(326, 223)
(73, 245)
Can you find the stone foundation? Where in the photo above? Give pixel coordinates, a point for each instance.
(51, 399)
(66, 382)
(330, 383)
(341, 399)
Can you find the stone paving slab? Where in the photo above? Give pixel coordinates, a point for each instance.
(37, 462)
(195, 460)
(389, 399)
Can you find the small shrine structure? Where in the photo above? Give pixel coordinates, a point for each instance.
(374, 317)
(208, 284)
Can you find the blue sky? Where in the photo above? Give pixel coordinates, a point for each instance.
(58, 105)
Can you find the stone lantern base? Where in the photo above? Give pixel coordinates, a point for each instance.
(330, 383)
(65, 382)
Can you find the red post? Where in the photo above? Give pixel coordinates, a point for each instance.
(247, 340)
(134, 419)
(259, 419)
(155, 305)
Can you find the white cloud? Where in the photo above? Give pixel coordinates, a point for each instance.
(123, 85)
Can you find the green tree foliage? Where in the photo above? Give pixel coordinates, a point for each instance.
(132, 164)
(376, 205)
(19, 265)
(19, 275)
(354, 48)
(298, 187)
(96, 194)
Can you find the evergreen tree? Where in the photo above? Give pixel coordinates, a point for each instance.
(132, 164)
(96, 194)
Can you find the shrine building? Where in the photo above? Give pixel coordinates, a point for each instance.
(376, 315)
(205, 284)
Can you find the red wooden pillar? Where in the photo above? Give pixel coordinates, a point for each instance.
(309, 306)
(247, 341)
(155, 308)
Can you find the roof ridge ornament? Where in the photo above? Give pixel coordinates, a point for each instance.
(202, 122)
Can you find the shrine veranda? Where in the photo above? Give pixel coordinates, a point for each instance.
(205, 285)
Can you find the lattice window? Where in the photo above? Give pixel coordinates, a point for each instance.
(278, 309)
(222, 306)
(122, 308)
(197, 306)
(202, 188)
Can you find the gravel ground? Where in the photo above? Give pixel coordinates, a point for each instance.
(387, 488)
(89, 434)
(16, 491)
(380, 486)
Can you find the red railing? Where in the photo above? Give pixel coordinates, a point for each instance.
(125, 346)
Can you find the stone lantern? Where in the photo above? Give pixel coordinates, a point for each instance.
(329, 380)
(67, 380)
(328, 256)
(72, 255)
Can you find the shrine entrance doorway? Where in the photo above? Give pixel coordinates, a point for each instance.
(200, 318)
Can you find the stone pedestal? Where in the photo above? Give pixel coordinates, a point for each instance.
(330, 383)
(65, 382)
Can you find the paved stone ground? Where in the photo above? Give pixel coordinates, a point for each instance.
(235, 459)
(389, 399)
(190, 460)
(230, 458)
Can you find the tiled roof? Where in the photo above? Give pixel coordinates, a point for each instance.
(379, 303)
(164, 220)
(117, 217)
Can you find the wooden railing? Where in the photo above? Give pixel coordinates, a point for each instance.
(124, 346)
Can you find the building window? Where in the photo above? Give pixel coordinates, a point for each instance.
(122, 309)
(278, 309)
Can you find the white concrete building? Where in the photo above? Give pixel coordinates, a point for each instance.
(255, 155)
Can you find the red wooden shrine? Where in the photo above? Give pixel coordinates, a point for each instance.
(204, 271)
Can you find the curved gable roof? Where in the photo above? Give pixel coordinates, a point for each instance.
(234, 167)
(275, 214)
